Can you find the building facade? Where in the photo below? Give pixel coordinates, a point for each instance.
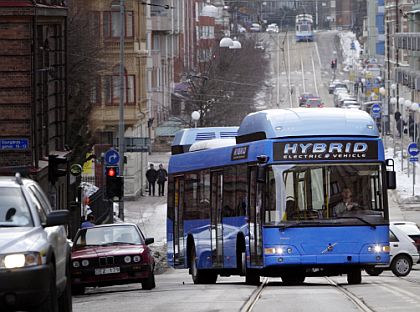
(33, 91)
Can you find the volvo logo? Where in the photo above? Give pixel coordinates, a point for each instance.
(329, 248)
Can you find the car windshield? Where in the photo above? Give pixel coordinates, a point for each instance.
(325, 194)
(108, 235)
(14, 210)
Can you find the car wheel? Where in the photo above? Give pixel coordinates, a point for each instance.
(354, 276)
(401, 265)
(77, 290)
(50, 304)
(200, 276)
(149, 283)
(65, 300)
(374, 271)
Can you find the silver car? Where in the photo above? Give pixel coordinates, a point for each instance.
(34, 250)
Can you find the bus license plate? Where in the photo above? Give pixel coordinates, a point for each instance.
(107, 271)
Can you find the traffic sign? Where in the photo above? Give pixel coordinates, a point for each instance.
(376, 110)
(414, 159)
(413, 149)
(112, 157)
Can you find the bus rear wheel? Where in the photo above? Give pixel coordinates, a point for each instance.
(200, 276)
(354, 276)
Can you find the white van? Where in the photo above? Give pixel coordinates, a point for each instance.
(403, 254)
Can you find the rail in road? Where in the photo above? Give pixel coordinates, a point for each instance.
(405, 298)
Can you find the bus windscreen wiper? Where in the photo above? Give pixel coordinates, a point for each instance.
(360, 219)
(303, 222)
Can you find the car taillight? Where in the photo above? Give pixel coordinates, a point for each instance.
(321, 105)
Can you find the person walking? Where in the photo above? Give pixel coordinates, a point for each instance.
(89, 222)
(151, 176)
(162, 175)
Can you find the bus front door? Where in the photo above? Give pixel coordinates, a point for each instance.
(216, 218)
(254, 218)
(179, 243)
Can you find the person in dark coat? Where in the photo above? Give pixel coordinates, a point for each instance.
(162, 175)
(151, 176)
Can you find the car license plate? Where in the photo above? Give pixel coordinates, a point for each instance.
(107, 271)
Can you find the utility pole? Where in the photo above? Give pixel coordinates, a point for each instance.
(121, 140)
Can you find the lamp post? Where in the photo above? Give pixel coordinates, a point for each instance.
(393, 102)
(195, 115)
(400, 103)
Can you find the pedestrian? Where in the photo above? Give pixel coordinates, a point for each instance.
(151, 176)
(90, 221)
(162, 175)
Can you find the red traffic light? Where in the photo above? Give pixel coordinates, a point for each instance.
(111, 172)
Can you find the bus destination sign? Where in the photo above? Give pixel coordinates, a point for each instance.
(325, 150)
(240, 152)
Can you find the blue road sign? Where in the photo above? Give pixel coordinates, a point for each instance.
(414, 159)
(413, 149)
(14, 144)
(112, 157)
(376, 110)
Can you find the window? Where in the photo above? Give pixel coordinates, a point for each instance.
(192, 210)
(95, 92)
(111, 24)
(112, 89)
(38, 203)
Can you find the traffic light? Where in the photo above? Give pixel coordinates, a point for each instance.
(57, 167)
(334, 64)
(114, 184)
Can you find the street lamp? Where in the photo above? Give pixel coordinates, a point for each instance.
(195, 115)
(121, 142)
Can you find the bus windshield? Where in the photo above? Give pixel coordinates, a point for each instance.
(324, 192)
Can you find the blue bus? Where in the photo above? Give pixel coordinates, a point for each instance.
(304, 28)
(268, 202)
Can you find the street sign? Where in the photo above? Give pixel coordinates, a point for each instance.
(76, 170)
(135, 144)
(413, 149)
(376, 111)
(14, 144)
(112, 157)
(414, 159)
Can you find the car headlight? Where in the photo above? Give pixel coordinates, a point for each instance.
(20, 260)
(136, 258)
(85, 263)
(127, 259)
(76, 264)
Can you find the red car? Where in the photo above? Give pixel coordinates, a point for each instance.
(111, 254)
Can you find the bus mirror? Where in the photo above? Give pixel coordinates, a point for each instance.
(261, 173)
(391, 180)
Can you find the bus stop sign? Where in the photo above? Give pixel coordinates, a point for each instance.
(376, 111)
(413, 150)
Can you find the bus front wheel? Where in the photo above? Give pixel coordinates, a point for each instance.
(354, 276)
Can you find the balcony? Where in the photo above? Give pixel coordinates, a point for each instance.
(408, 77)
(161, 23)
(408, 41)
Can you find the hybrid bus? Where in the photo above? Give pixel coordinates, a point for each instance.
(264, 203)
(304, 28)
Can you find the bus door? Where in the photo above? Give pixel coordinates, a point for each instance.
(216, 218)
(179, 243)
(254, 217)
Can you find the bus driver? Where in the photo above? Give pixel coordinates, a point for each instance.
(346, 204)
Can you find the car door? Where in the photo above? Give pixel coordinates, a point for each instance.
(56, 235)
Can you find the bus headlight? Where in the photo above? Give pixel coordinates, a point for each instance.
(278, 250)
(378, 248)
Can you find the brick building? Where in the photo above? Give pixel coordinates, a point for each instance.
(33, 90)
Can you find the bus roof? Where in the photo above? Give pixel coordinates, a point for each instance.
(305, 122)
(186, 137)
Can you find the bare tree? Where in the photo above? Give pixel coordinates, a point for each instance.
(224, 91)
(84, 65)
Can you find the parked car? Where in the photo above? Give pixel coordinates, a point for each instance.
(350, 104)
(332, 85)
(403, 254)
(304, 96)
(255, 27)
(412, 230)
(34, 251)
(111, 254)
(314, 102)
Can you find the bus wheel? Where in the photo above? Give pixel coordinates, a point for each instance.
(252, 277)
(200, 276)
(354, 276)
(374, 271)
(293, 279)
